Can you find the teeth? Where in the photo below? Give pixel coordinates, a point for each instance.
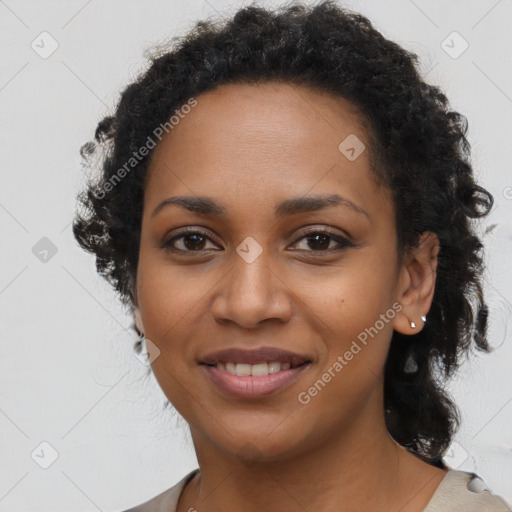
(243, 369)
(259, 369)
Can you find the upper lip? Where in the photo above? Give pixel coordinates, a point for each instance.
(254, 356)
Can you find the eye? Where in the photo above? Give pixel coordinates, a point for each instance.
(320, 241)
(189, 240)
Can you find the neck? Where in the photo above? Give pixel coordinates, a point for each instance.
(359, 468)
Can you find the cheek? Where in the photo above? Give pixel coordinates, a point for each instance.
(351, 312)
(170, 322)
(348, 299)
(350, 369)
(169, 298)
(170, 305)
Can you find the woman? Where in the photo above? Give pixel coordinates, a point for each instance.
(286, 208)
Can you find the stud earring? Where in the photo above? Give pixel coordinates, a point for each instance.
(413, 325)
(424, 318)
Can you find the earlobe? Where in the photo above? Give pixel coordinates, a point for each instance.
(407, 325)
(413, 324)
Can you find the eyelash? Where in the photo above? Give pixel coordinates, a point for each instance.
(342, 241)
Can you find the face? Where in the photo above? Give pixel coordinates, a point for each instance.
(248, 267)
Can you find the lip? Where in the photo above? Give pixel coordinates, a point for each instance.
(252, 386)
(254, 356)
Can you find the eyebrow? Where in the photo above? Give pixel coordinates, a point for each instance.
(208, 206)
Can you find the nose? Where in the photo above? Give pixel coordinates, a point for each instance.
(252, 292)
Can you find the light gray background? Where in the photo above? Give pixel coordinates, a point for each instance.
(67, 373)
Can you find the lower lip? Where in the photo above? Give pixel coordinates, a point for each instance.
(253, 386)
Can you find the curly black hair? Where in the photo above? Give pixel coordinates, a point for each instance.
(418, 141)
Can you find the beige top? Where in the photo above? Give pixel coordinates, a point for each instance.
(459, 491)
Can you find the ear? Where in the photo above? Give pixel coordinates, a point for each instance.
(417, 284)
(138, 320)
(136, 314)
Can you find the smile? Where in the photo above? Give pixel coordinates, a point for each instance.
(243, 380)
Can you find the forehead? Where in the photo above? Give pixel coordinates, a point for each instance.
(269, 139)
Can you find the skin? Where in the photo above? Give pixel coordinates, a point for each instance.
(250, 147)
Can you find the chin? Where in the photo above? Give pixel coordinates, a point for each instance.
(252, 444)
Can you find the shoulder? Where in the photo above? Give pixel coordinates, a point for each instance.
(461, 490)
(167, 500)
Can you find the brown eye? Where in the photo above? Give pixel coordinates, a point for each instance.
(321, 240)
(188, 241)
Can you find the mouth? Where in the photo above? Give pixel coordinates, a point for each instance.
(258, 369)
(245, 373)
(255, 356)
